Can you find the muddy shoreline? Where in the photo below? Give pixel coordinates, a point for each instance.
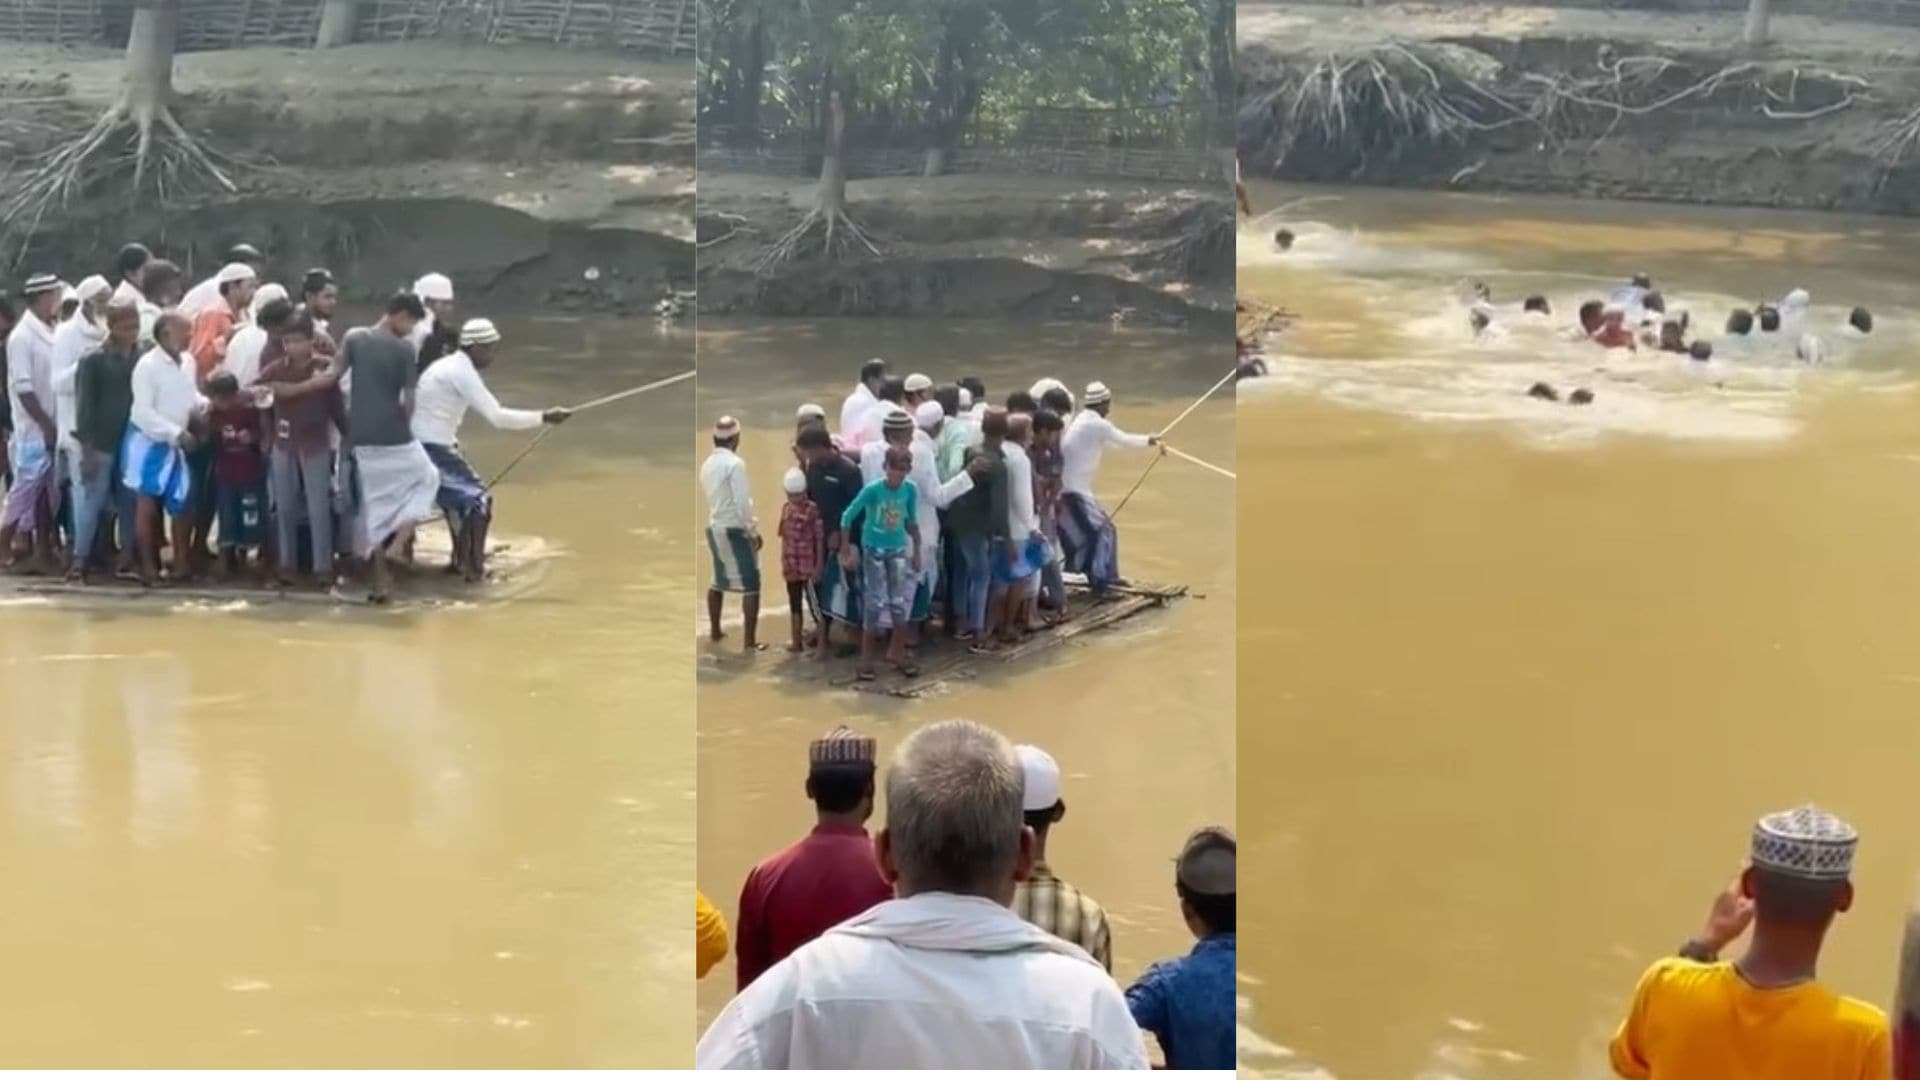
(1622, 105)
(977, 246)
(538, 179)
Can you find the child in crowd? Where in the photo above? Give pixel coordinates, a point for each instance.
(239, 430)
(803, 539)
(889, 558)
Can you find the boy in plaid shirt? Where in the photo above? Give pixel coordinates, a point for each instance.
(803, 541)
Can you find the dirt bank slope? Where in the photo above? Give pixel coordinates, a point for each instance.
(1605, 104)
(977, 245)
(517, 169)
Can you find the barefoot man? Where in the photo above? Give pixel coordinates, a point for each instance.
(1087, 536)
(33, 503)
(732, 534)
(166, 402)
(397, 481)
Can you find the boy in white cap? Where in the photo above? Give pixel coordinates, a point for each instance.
(803, 547)
(1043, 899)
(918, 388)
(733, 535)
(1089, 543)
(33, 502)
(447, 390)
(436, 294)
(1764, 1016)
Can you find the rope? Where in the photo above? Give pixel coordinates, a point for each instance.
(1157, 459)
(1202, 400)
(594, 404)
(1208, 465)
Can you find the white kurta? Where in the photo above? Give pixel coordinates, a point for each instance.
(72, 340)
(29, 371)
(451, 386)
(729, 499)
(854, 409)
(1080, 449)
(935, 981)
(165, 396)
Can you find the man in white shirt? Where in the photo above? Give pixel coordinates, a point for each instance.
(733, 536)
(447, 389)
(166, 403)
(865, 396)
(76, 336)
(1087, 536)
(207, 293)
(33, 503)
(271, 312)
(945, 976)
(1017, 569)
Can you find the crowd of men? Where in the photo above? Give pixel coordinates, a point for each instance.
(929, 501)
(948, 940)
(230, 428)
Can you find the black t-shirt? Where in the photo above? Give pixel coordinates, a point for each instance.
(833, 485)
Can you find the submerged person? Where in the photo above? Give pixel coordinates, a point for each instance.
(1764, 1016)
(103, 406)
(823, 879)
(945, 976)
(397, 482)
(1860, 321)
(1536, 305)
(33, 499)
(447, 390)
(1188, 1004)
(1088, 539)
(167, 404)
(1283, 239)
(1673, 337)
(733, 535)
(1614, 333)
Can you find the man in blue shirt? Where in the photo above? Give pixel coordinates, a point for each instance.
(1188, 1003)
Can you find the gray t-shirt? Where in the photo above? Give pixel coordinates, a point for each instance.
(383, 368)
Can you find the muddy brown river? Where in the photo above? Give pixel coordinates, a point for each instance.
(1140, 717)
(454, 838)
(1517, 676)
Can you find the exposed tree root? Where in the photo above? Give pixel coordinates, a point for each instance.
(146, 145)
(1898, 139)
(840, 235)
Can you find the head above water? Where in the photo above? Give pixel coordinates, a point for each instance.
(1591, 314)
(955, 820)
(1672, 334)
(1740, 322)
(1701, 351)
(1642, 281)
(1769, 320)
(1861, 319)
(1655, 303)
(1478, 320)
(1283, 239)
(1537, 304)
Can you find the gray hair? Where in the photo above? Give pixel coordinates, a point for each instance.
(954, 795)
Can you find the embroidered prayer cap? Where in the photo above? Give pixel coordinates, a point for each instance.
(840, 747)
(897, 420)
(929, 415)
(478, 332)
(1207, 861)
(795, 481)
(917, 382)
(232, 272)
(1805, 842)
(39, 283)
(726, 428)
(434, 287)
(810, 411)
(1042, 791)
(1097, 393)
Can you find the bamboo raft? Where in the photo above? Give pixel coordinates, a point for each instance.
(944, 661)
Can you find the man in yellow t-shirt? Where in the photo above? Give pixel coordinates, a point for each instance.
(709, 935)
(1763, 1016)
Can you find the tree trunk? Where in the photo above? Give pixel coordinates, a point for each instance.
(149, 75)
(831, 196)
(337, 21)
(1759, 14)
(753, 79)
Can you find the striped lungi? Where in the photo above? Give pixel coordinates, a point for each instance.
(461, 492)
(736, 566)
(1088, 541)
(33, 479)
(839, 592)
(156, 470)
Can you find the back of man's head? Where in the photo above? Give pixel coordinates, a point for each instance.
(954, 820)
(1786, 900)
(1205, 879)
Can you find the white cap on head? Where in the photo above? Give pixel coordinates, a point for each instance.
(434, 287)
(68, 294)
(726, 427)
(966, 399)
(929, 415)
(234, 271)
(269, 293)
(1097, 392)
(1049, 383)
(810, 411)
(1043, 778)
(795, 481)
(94, 288)
(478, 332)
(917, 382)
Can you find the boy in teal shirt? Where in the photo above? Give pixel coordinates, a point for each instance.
(888, 556)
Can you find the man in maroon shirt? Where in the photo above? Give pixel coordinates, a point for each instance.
(819, 882)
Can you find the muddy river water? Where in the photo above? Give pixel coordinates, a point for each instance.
(1140, 717)
(1516, 676)
(347, 839)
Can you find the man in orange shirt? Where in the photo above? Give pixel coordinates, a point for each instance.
(213, 328)
(1763, 1016)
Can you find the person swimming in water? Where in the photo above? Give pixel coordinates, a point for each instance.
(1536, 305)
(1283, 239)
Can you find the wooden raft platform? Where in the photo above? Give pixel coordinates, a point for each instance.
(944, 660)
